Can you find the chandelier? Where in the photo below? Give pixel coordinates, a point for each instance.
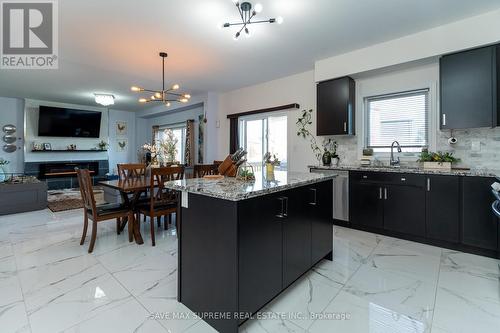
(165, 96)
(247, 13)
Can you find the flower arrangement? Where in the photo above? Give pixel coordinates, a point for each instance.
(102, 145)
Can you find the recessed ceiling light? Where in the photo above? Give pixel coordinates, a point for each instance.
(104, 99)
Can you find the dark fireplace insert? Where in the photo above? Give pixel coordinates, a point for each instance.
(66, 169)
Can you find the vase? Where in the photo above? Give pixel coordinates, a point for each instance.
(326, 159)
(335, 161)
(269, 171)
(3, 174)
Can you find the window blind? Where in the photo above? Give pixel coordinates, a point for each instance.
(401, 117)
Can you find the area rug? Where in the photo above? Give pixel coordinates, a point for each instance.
(68, 199)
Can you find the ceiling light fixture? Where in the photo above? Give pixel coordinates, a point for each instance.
(104, 99)
(247, 14)
(164, 96)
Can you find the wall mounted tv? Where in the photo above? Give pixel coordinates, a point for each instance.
(71, 123)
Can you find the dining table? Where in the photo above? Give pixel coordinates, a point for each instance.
(130, 190)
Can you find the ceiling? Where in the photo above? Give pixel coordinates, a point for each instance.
(109, 45)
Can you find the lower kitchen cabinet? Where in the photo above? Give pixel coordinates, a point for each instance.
(480, 225)
(455, 210)
(260, 252)
(404, 209)
(319, 210)
(366, 207)
(296, 235)
(442, 214)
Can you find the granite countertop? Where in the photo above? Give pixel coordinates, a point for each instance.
(235, 190)
(414, 169)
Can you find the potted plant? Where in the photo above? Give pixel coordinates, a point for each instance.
(3, 170)
(168, 146)
(330, 153)
(437, 161)
(270, 161)
(151, 153)
(102, 145)
(303, 124)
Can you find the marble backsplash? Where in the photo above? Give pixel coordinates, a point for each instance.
(487, 157)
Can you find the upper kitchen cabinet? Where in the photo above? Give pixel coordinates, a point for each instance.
(469, 91)
(335, 107)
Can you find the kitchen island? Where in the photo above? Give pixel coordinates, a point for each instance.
(241, 243)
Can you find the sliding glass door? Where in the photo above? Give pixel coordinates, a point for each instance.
(261, 134)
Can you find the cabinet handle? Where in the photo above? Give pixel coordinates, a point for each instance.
(345, 126)
(284, 208)
(314, 193)
(428, 184)
(385, 193)
(365, 177)
(403, 179)
(444, 119)
(380, 193)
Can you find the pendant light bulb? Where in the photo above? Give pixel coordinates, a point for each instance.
(258, 8)
(279, 20)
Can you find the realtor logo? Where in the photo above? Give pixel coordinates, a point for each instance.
(29, 35)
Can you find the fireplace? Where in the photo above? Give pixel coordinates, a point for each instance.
(61, 174)
(66, 169)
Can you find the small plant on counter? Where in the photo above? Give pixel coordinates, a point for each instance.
(439, 157)
(271, 159)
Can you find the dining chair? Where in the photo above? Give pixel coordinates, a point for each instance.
(128, 171)
(201, 170)
(163, 202)
(99, 213)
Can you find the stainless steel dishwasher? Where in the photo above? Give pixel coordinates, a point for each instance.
(340, 193)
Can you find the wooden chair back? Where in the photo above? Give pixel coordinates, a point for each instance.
(128, 171)
(86, 190)
(201, 170)
(159, 194)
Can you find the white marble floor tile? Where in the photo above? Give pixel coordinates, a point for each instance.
(129, 317)
(421, 249)
(201, 327)
(349, 313)
(407, 261)
(456, 312)
(398, 293)
(90, 298)
(333, 272)
(306, 297)
(272, 323)
(471, 275)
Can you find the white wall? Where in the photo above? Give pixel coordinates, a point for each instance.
(115, 154)
(11, 112)
(468, 33)
(299, 88)
(162, 116)
(31, 135)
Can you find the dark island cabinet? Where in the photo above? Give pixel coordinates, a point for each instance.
(319, 210)
(260, 252)
(469, 91)
(336, 107)
(480, 225)
(442, 214)
(404, 209)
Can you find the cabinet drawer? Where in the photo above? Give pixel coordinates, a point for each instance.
(366, 176)
(394, 178)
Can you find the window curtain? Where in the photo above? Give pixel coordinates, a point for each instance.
(156, 130)
(233, 135)
(189, 152)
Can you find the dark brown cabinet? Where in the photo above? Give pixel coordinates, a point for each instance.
(404, 209)
(469, 91)
(366, 206)
(260, 252)
(336, 107)
(480, 225)
(442, 199)
(319, 210)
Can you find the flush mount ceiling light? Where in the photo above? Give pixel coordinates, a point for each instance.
(104, 99)
(165, 96)
(247, 13)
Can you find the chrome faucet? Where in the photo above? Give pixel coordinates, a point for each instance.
(395, 162)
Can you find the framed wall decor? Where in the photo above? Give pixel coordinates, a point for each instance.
(121, 128)
(47, 146)
(121, 145)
